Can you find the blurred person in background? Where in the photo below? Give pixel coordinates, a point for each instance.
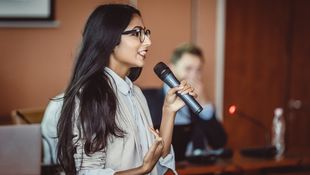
(205, 133)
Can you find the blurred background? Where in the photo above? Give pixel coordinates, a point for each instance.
(257, 57)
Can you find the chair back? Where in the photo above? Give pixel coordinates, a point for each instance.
(27, 115)
(20, 149)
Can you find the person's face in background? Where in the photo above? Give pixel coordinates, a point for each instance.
(131, 52)
(188, 67)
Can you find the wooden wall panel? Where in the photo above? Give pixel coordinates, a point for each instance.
(298, 91)
(256, 58)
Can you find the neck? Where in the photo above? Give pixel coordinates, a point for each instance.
(120, 72)
(118, 68)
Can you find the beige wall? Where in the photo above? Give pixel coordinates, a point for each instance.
(35, 63)
(170, 22)
(205, 38)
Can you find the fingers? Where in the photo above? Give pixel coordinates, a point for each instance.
(158, 140)
(183, 86)
(155, 150)
(155, 133)
(172, 101)
(157, 136)
(186, 88)
(172, 91)
(152, 156)
(193, 94)
(154, 147)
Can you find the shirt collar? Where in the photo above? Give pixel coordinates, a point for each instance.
(124, 86)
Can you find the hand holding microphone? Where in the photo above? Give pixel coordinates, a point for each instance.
(172, 101)
(165, 74)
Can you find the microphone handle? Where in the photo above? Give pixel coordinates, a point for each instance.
(189, 100)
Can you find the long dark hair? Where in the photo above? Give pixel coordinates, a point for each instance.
(90, 85)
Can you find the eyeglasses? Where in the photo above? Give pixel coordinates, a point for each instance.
(138, 32)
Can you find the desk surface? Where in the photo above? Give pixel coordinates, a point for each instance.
(239, 163)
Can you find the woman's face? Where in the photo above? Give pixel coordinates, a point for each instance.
(131, 52)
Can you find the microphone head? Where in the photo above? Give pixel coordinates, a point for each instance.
(161, 69)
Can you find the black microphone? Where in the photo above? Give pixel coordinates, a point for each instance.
(233, 110)
(165, 74)
(267, 150)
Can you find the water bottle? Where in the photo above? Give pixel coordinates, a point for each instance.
(278, 131)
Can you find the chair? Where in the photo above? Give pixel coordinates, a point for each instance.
(20, 149)
(27, 115)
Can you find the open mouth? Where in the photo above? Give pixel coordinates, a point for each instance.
(142, 53)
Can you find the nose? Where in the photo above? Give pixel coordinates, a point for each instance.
(147, 41)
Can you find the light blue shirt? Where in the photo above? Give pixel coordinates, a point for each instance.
(126, 87)
(183, 115)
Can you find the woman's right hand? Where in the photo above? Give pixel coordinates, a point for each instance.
(172, 102)
(150, 158)
(154, 153)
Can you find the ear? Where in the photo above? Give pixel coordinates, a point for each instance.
(117, 45)
(115, 49)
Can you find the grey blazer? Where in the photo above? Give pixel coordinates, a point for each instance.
(120, 153)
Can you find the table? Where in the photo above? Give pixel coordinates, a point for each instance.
(240, 165)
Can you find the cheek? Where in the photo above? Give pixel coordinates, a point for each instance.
(126, 49)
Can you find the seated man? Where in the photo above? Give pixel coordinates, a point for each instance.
(204, 130)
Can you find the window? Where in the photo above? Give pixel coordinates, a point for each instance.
(27, 10)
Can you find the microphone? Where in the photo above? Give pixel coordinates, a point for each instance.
(166, 75)
(233, 110)
(265, 151)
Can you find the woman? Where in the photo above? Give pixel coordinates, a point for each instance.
(104, 125)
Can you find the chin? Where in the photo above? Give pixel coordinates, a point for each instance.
(136, 65)
(139, 64)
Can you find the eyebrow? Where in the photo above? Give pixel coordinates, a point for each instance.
(139, 27)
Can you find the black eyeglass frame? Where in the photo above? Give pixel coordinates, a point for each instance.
(146, 32)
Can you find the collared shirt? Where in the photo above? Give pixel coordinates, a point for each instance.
(131, 104)
(183, 116)
(126, 87)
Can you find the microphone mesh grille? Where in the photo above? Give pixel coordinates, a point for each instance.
(159, 68)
